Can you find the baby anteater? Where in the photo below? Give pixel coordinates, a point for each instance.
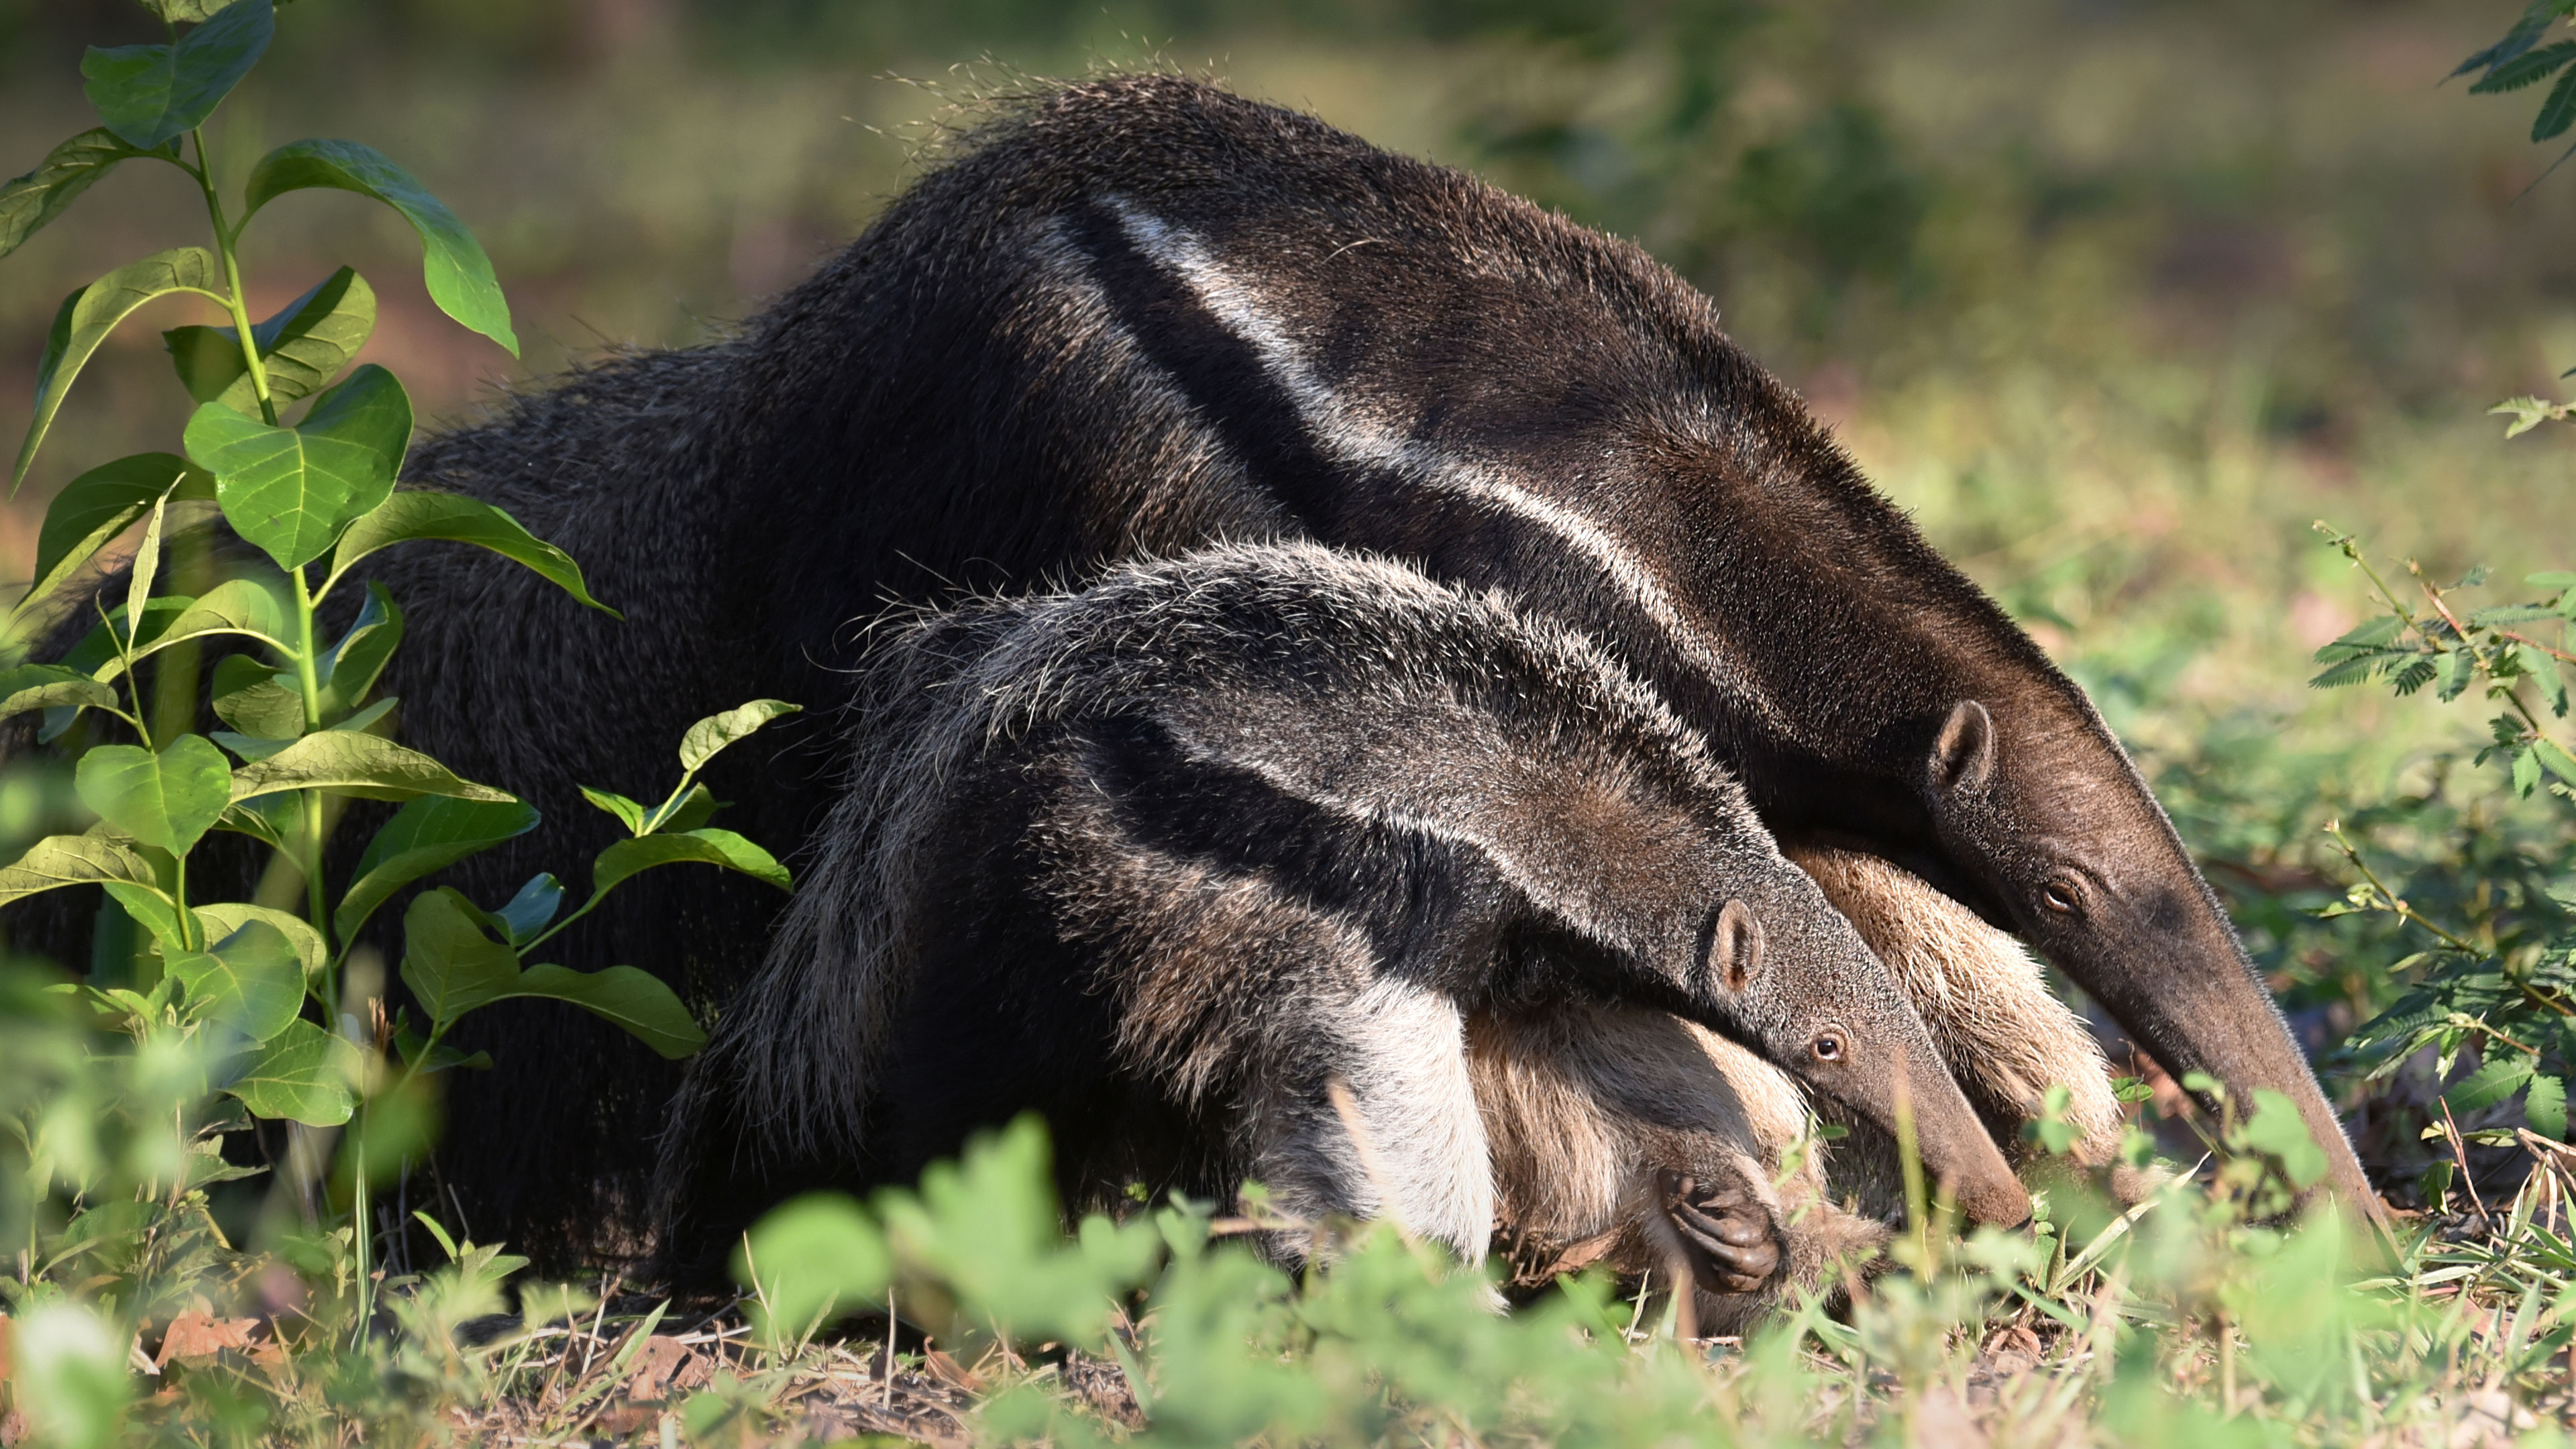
(1208, 861)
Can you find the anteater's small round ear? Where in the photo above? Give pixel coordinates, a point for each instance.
(1963, 757)
(1735, 948)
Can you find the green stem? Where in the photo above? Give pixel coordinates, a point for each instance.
(232, 281)
(308, 679)
(179, 893)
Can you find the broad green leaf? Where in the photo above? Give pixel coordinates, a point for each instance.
(458, 273)
(47, 686)
(418, 514)
(689, 847)
(349, 669)
(2545, 1107)
(147, 561)
(290, 491)
(28, 202)
(236, 606)
(2557, 112)
(272, 818)
(2497, 1078)
(302, 348)
(65, 860)
(345, 762)
(166, 800)
(90, 314)
(427, 835)
(692, 810)
(252, 981)
(302, 1076)
(223, 918)
(712, 734)
(618, 805)
(257, 700)
(814, 1258)
(148, 94)
(633, 999)
(150, 907)
(186, 12)
(534, 907)
(98, 505)
(449, 964)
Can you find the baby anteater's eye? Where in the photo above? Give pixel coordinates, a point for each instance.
(2062, 894)
(1828, 1046)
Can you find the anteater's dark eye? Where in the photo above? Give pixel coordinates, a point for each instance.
(2062, 896)
(1828, 1046)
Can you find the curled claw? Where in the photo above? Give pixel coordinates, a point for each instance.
(1730, 1232)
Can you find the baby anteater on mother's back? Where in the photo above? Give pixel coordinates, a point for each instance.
(1174, 858)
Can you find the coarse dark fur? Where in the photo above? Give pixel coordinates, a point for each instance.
(1168, 858)
(1138, 314)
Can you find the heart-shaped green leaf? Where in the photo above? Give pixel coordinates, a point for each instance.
(302, 348)
(148, 94)
(689, 847)
(452, 263)
(28, 202)
(98, 505)
(716, 731)
(252, 981)
(90, 314)
(533, 907)
(225, 917)
(450, 965)
(63, 860)
(166, 800)
(345, 762)
(632, 998)
(301, 1076)
(290, 491)
(427, 835)
(420, 515)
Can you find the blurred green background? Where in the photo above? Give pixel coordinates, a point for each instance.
(2115, 295)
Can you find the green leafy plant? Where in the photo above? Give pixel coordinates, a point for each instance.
(260, 1004)
(2510, 991)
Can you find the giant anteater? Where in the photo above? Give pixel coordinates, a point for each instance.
(1168, 857)
(1137, 314)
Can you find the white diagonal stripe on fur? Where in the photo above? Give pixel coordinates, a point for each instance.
(1348, 435)
(1409, 1079)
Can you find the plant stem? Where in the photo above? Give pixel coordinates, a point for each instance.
(308, 679)
(232, 281)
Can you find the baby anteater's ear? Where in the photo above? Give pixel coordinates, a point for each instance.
(1731, 949)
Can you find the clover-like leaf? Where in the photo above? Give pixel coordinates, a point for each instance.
(459, 275)
(166, 800)
(87, 317)
(301, 349)
(422, 515)
(148, 94)
(291, 491)
(427, 835)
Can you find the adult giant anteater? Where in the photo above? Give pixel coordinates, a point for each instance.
(1174, 858)
(1138, 314)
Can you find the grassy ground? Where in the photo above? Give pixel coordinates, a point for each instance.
(2117, 297)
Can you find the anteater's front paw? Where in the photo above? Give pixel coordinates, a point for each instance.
(1734, 1244)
